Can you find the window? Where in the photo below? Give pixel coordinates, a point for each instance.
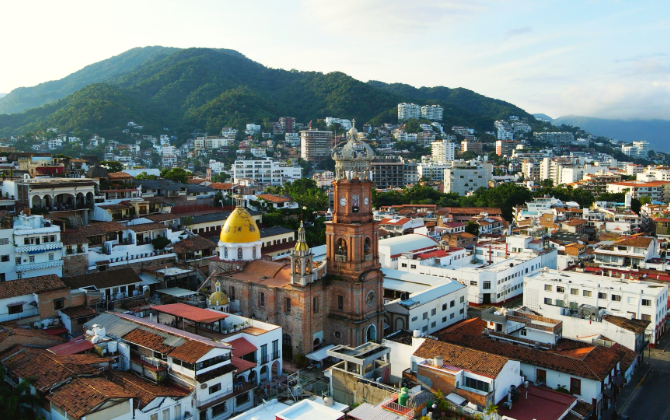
(487, 285)
(646, 302)
(462, 299)
(547, 287)
(232, 293)
(287, 305)
(444, 307)
(586, 293)
(444, 319)
(424, 329)
(473, 283)
(177, 411)
(154, 416)
(31, 258)
(404, 265)
(414, 318)
(15, 309)
(645, 317)
(602, 295)
(540, 376)
(59, 303)
(214, 388)
(211, 361)
(547, 301)
(261, 299)
(574, 291)
(315, 305)
(242, 399)
(560, 289)
(461, 311)
(616, 298)
(523, 332)
(451, 316)
(4, 258)
(340, 302)
(239, 254)
(218, 409)
(425, 315)
(17, 260)
(412, 266)
(433, 312)
(575, 386)
(432, 324)
(166, 414)
(476, 384)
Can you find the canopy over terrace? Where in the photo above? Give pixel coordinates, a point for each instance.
(182, 311)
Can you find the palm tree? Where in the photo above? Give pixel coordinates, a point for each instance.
(17, 403)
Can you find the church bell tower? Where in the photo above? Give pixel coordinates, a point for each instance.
(357, 304)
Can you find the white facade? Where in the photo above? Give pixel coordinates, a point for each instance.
(344, 123)
(548, 289)
(265, 171)
(432, 112)
(407, 111)
(504, 130)
(464, 177)
(433, 171)
(38, 249)
(443, 151)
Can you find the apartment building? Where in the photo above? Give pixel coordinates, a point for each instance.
(462, 177)
(431, 170)
(548, 291)
(265, 171)
(472, 146)
(443, 151)
(506, 147)
(656, 190)
(407, 111)
(388, 172)
(627, 251)
(504, 130)
(432, 112)
(37, 249)
(554, 137)
(315, 145)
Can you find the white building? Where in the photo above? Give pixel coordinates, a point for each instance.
(431, 112)
(216, 166)
(252, 129)
(428, 310)
(37, 249)
(463, 177)
(443, 151)
(430, 170)
(550, 291)
(344, 123)
(504, 130)
(407, 111)
(315, 145)
(265, 171)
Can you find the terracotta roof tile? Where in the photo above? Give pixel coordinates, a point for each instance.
(148, 339)
(190, 351)
(637, 326)
(103, 279)
(275, 198)
(242, 346)
(119, 175)
(28, 286)
(81, 311)
(101, 228)
(475, 361)
(82, 395)
(144, 390)
(197, 243)
(73, 238)
(145, 227)
(242, 365)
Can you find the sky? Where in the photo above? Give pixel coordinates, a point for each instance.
(607, 59)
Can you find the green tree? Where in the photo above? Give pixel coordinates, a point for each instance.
(222, 177)
(187, 221)
(160, 242)
(175, 174)
(143, 176)
(112, 165)
(472, 228)
(18, 402)
(547, 183)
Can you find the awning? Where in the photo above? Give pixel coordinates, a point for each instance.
(320, 354)
(55, 331)
(177, 292)
(147, 280)
(456, 399)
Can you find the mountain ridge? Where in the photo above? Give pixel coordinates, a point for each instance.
(206, 89)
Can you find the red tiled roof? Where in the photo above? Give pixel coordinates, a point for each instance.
(189, 312)
(242, 346)
(145, 227)
(197, 243)
(241, 364)
(82, 395)
(475, 361)
(28, 286)
(75, 312)
(148, 339)
(275, 198)
(119, 175)
(72, 347)
(390, 221)
(191, 351)
(637, 326)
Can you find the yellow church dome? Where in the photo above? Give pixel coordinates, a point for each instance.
(240, 228)
(218, 297)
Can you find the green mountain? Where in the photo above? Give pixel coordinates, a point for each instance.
(24, 98)
(207, 89)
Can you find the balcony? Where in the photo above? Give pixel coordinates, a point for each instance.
(34, 249)
(276, 355)
(38, 266)
(264, 359)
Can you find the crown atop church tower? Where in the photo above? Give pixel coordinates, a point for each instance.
(353, 157)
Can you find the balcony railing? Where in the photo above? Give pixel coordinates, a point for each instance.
(264, 359)
(49, 246)
(38, 266)
(276, 355)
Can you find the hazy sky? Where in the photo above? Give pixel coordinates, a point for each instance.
(596, 58)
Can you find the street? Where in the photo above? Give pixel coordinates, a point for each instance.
(647, 396)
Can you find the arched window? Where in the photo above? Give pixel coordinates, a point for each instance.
(371, 333)
(239, 254)
(341, 247)
(225, 253)
(367, 246)
(254, 253)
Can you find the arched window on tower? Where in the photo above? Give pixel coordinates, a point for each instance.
(254, 253)
(225, 253)
(239, 254)
(341, 250)
(367, 246)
